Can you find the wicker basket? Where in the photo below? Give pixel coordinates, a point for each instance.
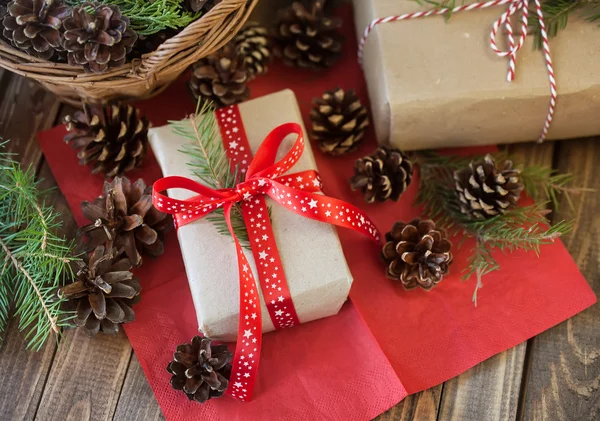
(142, 78)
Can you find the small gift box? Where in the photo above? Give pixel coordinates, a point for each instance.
(317, 274)
(435, 83)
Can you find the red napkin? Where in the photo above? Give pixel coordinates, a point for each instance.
(338, 368)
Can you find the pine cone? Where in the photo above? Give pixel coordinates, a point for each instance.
(385, 175)
(97, 40)
(149, 43)
(201, 369)
(485, 190)
(338, 121)
(113, 139)
(35, 26)
(220, 78)
(417, 254)
(102, 292)
(253, 43)
(200, 5)
(307, 38)
(124, 215)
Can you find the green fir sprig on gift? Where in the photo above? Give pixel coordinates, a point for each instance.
(209, 163)
(517, 228)
(150, 17)
(35, 261)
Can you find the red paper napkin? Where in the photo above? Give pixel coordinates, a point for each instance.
(337, 368)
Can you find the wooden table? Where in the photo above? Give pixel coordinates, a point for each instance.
(555, 376)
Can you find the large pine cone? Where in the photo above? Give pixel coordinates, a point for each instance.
(221, 77)
(307, 38)
(253, 43)
(113, 139)
(485, 190)
(35, 26)
(385, 175)
(99, 39)
(124, 216)
(417, 254)
(102, 292)
(201, 369)
(339, 121)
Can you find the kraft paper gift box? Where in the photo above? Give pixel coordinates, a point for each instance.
(313, 261)
(436, 84)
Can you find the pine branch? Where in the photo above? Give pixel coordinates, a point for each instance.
(149, 17)
(520, 228)
(211, 166)
(35, 260)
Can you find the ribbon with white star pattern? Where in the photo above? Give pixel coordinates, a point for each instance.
(296, 192)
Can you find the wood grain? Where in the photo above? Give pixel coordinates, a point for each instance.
(137, 401)
(490, 390)
(422, 406)
(564, 377)
(23, 372)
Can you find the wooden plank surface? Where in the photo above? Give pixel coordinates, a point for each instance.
(563, 381)
(24, 110)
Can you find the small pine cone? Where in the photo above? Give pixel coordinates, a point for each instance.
(486, 190)
(150, 43)
(102, 292)
(306, 37)
(385, 175)
(339, 121)
(253, 43)
(201, 369)
(220, 78)
(199, 5)
(97, 36)
(35, 26)
(113, 140)
(124, 216)
(417, 254)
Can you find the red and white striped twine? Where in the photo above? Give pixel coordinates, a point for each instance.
(513, 47)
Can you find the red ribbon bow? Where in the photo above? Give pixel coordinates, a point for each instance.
(296, 192)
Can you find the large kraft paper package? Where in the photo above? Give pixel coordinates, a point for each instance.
(313, 261)
(435, 83)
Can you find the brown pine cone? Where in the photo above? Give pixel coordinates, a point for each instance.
(35, 26)
(339, 121)
(201, 369)
(253, 43)
(97, 36)
(417, 254)
(113, 139)
(306, 37)
(220, 78)
(149, 43)
(200, 5)
(124, 216)
(385, 175)
(486, 190)
(102, 292)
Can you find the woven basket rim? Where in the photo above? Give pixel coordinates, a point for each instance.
(212, 30)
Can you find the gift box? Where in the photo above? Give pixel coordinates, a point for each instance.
(318, 276)
(435, 83)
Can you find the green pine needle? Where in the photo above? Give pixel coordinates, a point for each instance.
(35, 260)
(209, 163)
(521, 228)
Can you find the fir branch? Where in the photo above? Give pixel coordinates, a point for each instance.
(35, 260)
(149, 17)
(520, 228)
(209, 163)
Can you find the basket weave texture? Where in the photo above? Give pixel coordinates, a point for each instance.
(141, 78)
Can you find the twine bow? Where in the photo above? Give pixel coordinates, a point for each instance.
(297, 193)
(515, 6)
